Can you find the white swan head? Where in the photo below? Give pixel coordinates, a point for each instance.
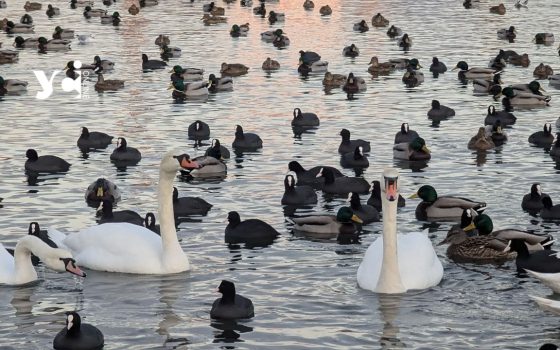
(61, 260)
(390, 182)
(171, 163)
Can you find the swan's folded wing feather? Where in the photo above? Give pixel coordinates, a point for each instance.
(551, 280)
(547, 304)
(6, 265)
(57, 237)
(419, 264)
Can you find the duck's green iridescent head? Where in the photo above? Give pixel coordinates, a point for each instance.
(1, 81)
(427, 193)
(414, 63)
(508, 92)
(483, 224)
(462, 65)
(346, 215)
(87, 9)
(42, 40)
(179, 85)
(116, 14)
(57, 29)
(211, 77)
(235, 28)
(419, 144)
(535, 87)
(178, 69)
(278, 32)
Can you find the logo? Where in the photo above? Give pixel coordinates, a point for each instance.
(67, 84)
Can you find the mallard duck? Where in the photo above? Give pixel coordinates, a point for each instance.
(162, 40)
(519, 60)
(308, 5)
(375, 67)
(542, 261)
(473, 73)
(108, 85)
(304, 119)
(133, 9)
(297, 195)
(270, 64)
(167, 52)
(533, 87)
(281, 41)
(325, 10)
(234, 69)
(351, 51)
(260, 10)
(437, 66)
(91, 12)
(347, 145)
(315, 67)
(543, 71)
(554, 80)
(394, 31)
(213, 9)
(8, 56)
(354, 85)
(333, 80)
(525, 98)
(439, 112)
(404, 42)
(496, 133)
(32, 6)
(270, 35)
(274, 17)
(492, 87)
(519, 4)
(152, 64)
(246, 3)
(481, 142)
(308, 57)
(505, 118)
(102, 65)
(80, 3)
(532, 201)
(342, 185)
(194, 89)
(113, 19)
(71, 68)
(52, 11)
(26, 19)
(187, 74)
(354, 160)
(328, 226)
(412, 77)
(361, 26)
(416, 150)
(147, 3)
(364, 212)
(13, 85)
(209, 167)
(211, 20)
(237, 31)
(22, 43)
(220, 84)
(379, 21)
(100, 190)
(405, 134)
(434, 207)
(544, 38)
(507, 34)
(500, 9)
(3, 4)
(60, 33)
(18, 28)
(53, 45)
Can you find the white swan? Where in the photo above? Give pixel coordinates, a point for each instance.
(128, 248)
(547, 304)
(18, 269)
(395, 263)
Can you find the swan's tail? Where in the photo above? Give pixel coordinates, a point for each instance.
(551, 280)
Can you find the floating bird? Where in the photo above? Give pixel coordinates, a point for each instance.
(434, 207)
(77, 335)
(252, 231)
(231, 305)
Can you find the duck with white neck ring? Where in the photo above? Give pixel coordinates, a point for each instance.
(396, 263)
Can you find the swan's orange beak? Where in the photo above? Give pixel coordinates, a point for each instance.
(391, 189)
(189, 164)
(74, 269)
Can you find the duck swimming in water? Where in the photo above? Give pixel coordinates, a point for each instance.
(415, 150)
(434, 207)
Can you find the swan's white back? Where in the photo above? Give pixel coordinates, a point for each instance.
(419, 266)
(7, 267)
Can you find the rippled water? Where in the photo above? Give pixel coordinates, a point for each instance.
(304, 291)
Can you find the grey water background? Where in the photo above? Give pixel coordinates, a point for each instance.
(304, 290)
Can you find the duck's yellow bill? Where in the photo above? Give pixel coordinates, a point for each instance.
(470, 227)
(412, 196)
(357, 219)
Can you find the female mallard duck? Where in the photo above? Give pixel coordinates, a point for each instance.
(354, 160)
(544, 38)
(53, 45)
(439, 112)
(416, 150)
(8, 56)
(507, 34)
(348, 145)
(500, 9)
(473, 73)
(376, 67)
(436, 208)
(394, 31)
(220, 84)
(13, 85)
(395, 263)
(18, 28)
(304, 119)
(108, 85)
(328, 226)
(209, 20)
(91, 12)
(404, 42)
(102, 65)
(481, 142)
(532, 201)
(342, 185)
(234, 69)
(525, 98)
(308, 5)
(152, 64)
(325, 10)
(505, 118)
(334, 80)
(162, 40)
(133, 10)
(542, 138)
(260, 10)
(519, 60)
(114, 19)
(270, 64)
(412, 77)
(351, 51)
(379, 21)
(32, 6)
(60, 33)
(405, 135)
(361, 26)
(492, 87)
(22, 43)
(270, 35)
(543, 71)
(274, 17)
(437, 66)
(297, 195)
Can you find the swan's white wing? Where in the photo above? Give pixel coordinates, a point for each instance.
(7, 267)
(57, 237)
(370, 268)
(117, 247)
(551, 280)
(547, 304)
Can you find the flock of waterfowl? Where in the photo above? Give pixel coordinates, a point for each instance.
(394, 263)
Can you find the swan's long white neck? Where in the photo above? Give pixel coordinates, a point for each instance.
(170, 243)
(24, 270)
(390, 277)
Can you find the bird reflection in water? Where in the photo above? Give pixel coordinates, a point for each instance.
(170, 290)
(228, 331)
(389, 306)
